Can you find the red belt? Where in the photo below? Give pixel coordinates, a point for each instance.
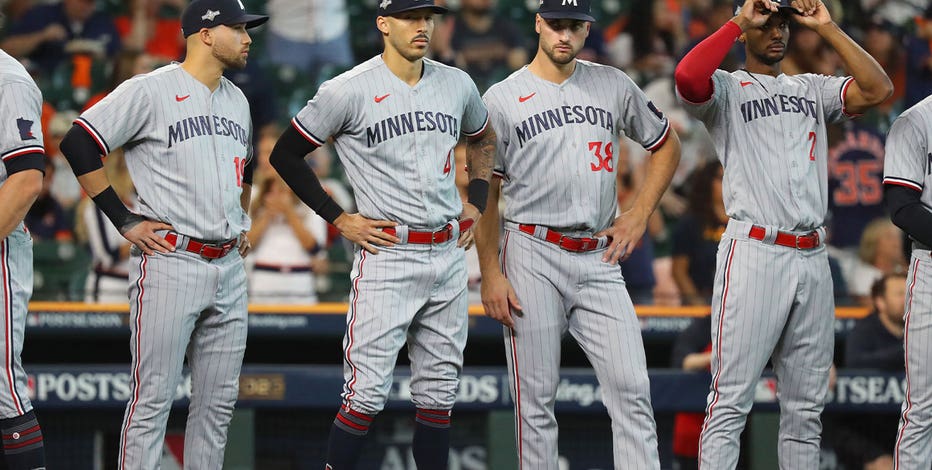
(209, 250)
(801, 242)
(567, 243)
(427, 238)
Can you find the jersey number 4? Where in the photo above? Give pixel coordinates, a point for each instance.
(240, 164)
(604, 162)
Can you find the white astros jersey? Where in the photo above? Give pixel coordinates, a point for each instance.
(21, 110)
(909, 151)
(562, 139)
(177, 156)
(396, 141)
(769, 133)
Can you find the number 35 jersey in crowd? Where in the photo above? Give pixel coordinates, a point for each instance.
(185, 146)
(558, 161)
(769, 133)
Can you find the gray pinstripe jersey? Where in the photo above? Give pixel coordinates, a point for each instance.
(396, 141)
(185, 148)
(20, 112)
(769, 133)
(908, 160)
(560, 142)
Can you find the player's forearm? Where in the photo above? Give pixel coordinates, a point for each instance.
(693, 75)
(660, 169)
(488, 234)
(246, 197)
(870, 77)
(94, 182)
(288, 160)
(908, 213)
(17, 194)
(480, 157)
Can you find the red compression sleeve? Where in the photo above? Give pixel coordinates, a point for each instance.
(694, 73)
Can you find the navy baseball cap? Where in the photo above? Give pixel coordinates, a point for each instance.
(209, 13)
(393, 7)
(566, 9)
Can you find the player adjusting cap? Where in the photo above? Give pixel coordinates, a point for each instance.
(209, 13)
(566, 9)
(779, 3)
(393, 7)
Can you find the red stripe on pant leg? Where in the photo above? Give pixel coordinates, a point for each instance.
(136, 384)
(349, 330)
(721, 323)
(8, 321)
(514, 361)
(22, 433)
(909, 401)
(23, 444)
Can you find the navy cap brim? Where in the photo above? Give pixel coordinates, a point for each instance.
(251, 21)
(437, 9)
(566, 15)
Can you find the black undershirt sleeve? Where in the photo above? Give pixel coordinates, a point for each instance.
(908, 213)
(288, 160)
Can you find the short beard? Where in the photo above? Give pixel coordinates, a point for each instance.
(559, 60)
(766, 60)
(236, 63)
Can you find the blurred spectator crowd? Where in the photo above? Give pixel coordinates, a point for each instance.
(78, 50)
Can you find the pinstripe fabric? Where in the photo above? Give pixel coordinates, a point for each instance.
(414, 294)
(779, 306)
(183, 146)
(576, 293)
(394, 139)
(914, 440)
(565, 126)
(20, 113)
(15, 291)
(769, 133)
(907, 164)
(182, 305)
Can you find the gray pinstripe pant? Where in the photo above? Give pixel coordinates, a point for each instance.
(183, 305)
(15, 291)
(914, 439)
(769, 302)
(562, 291)
(414, 294)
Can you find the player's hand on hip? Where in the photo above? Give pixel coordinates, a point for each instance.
(754, 13)
(365, 232)
(244, 245)
(625, 234)
(468, 219)
(142, 234)
(499, 299)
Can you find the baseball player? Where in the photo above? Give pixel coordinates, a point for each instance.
(907, 178)
(395, 120)
(20, 182)
(186, 133)
(559, 122)
(772, 297)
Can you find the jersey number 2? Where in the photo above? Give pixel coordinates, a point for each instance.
(812, 137)
(605, 162)
(240, 164)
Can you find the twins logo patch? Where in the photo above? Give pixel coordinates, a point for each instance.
(653, 109)
(25, 129)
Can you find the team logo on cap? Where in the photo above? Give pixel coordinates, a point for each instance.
(385, 4)
(570, 2)
(210, 15)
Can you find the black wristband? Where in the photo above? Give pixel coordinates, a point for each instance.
(478, 193)
(113, 208)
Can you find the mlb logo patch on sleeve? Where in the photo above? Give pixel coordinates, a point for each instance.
(25, 129)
